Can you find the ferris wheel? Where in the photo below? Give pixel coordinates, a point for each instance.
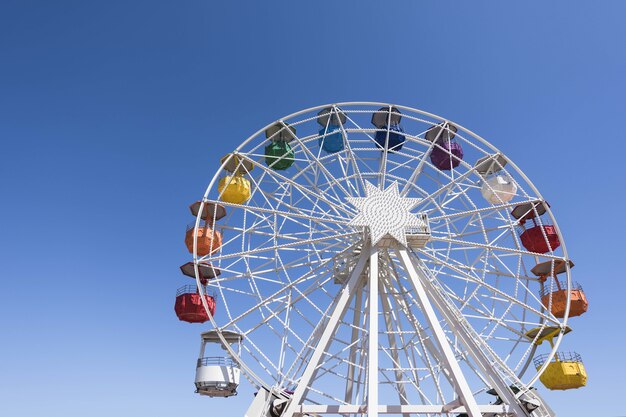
(369, 258)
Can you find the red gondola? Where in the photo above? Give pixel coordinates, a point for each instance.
(541, 237)
(189, 307)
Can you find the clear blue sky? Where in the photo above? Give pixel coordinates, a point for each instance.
(113, 115)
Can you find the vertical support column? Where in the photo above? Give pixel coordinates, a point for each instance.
(462, 388)
(372, 354)
(354, 340)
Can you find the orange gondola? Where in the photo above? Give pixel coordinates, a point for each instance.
(554, 294)
(209, 240)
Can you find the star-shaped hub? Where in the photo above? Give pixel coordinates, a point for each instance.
(385, 213)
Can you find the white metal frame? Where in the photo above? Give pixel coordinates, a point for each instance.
(457, 307)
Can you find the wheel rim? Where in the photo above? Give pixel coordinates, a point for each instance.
(475, 253)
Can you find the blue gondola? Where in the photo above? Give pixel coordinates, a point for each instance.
(387, 120)
(331, 137)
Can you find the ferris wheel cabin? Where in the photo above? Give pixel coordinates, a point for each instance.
(390, 134)
(235, 188)
(497, 187)
(446, 152)
(331, 119)
(189, 306)
(566, 369)
(209, 240)
(218, 376)
(554, 292)
(540, 237)
(278, 153)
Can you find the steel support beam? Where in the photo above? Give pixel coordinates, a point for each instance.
(354, 340)
(372, 354)
(472, 341)
(312, 409)
(324, 341)
(462, 388)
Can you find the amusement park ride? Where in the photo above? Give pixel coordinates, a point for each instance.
(350, 264)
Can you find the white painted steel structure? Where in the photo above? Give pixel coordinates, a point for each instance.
(345, 311)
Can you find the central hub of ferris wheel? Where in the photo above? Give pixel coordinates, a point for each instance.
(387, 215)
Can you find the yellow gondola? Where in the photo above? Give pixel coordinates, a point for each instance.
(235, 188)
(566, 369)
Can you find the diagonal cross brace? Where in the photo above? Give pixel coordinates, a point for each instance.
(463, 390)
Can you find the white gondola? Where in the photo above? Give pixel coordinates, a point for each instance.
(498, 188)
(218, 376)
